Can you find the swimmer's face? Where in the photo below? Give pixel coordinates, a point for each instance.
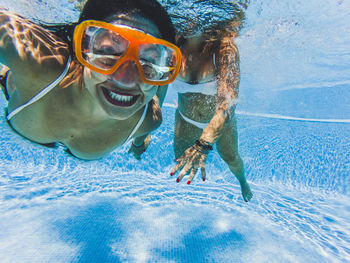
(122, 93)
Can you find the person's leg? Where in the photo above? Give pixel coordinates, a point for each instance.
(185, 135)
(227, 146)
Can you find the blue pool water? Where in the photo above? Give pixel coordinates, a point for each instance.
(294, 129)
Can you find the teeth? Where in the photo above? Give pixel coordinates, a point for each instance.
(120, 97)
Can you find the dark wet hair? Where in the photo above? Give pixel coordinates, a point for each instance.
(101, 9)
(149, 9)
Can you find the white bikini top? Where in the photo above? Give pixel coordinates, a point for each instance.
(207, 88)
(46, 90)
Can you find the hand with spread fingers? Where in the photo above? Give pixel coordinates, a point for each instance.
(192, 159)
(138, 150)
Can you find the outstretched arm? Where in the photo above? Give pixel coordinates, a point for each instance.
(227, 61)
(228, 78)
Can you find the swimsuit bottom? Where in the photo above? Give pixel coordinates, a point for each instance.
(200, 125)
(207, 88)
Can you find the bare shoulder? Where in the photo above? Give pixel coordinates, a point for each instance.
(34, 55)
(28, 47)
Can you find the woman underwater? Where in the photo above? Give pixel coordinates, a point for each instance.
(96, 94)
(207, 88)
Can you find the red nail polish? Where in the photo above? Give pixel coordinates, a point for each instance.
(177, 180)
(188, 182)
(203, 179)
(171, 174)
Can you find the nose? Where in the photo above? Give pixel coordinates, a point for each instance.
(127, 74)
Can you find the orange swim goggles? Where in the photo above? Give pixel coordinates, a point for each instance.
(103, 47)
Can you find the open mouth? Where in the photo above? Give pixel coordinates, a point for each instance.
(119, 99)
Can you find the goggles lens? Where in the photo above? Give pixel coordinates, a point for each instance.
(157, 61)
(102, 48)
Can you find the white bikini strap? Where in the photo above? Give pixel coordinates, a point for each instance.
(137, 126)
(42, 93)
